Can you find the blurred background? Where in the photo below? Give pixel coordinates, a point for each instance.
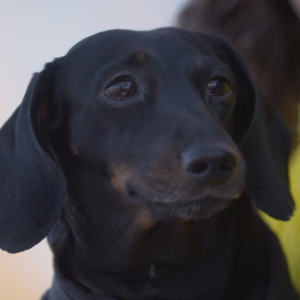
(32, 33)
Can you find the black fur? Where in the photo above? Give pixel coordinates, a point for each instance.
(131, 221)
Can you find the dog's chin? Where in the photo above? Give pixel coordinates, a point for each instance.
(195, 210)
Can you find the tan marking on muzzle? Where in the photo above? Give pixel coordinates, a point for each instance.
(145, 219)
(74, 150)
(119, 175)
(122, 174)
(44, 111)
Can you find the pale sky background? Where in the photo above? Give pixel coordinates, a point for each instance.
(33, 32)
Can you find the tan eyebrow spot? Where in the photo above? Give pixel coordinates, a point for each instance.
(141, 56)
(200, 63)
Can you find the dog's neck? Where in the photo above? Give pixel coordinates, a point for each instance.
(124, 256)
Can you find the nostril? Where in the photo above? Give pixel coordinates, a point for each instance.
(198, 167)
(227, 165)
(210, 165)
(131, 192)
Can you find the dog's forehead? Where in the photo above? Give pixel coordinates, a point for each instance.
(175, 51)
(115, 43)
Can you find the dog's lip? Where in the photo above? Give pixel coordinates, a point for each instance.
(200, 208)
(139, 199)
(189, 203)
(183, 198)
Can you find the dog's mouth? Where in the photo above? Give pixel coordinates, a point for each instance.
(191, 210)
(170, 193)
(182, 202)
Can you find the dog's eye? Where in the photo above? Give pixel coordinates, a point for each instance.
(218, 87)
(121, 90)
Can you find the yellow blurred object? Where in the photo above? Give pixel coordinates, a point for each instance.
(289, 232)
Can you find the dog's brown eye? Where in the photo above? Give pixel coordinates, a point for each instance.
(218, 87)
(121, 90)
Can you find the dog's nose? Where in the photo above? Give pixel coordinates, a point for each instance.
(210, 165)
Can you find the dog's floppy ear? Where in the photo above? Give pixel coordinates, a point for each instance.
(266, 151)
(32, 185)
(264, 139)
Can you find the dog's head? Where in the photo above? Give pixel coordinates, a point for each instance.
(165, 121)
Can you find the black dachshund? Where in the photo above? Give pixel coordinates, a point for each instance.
(142, 153)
